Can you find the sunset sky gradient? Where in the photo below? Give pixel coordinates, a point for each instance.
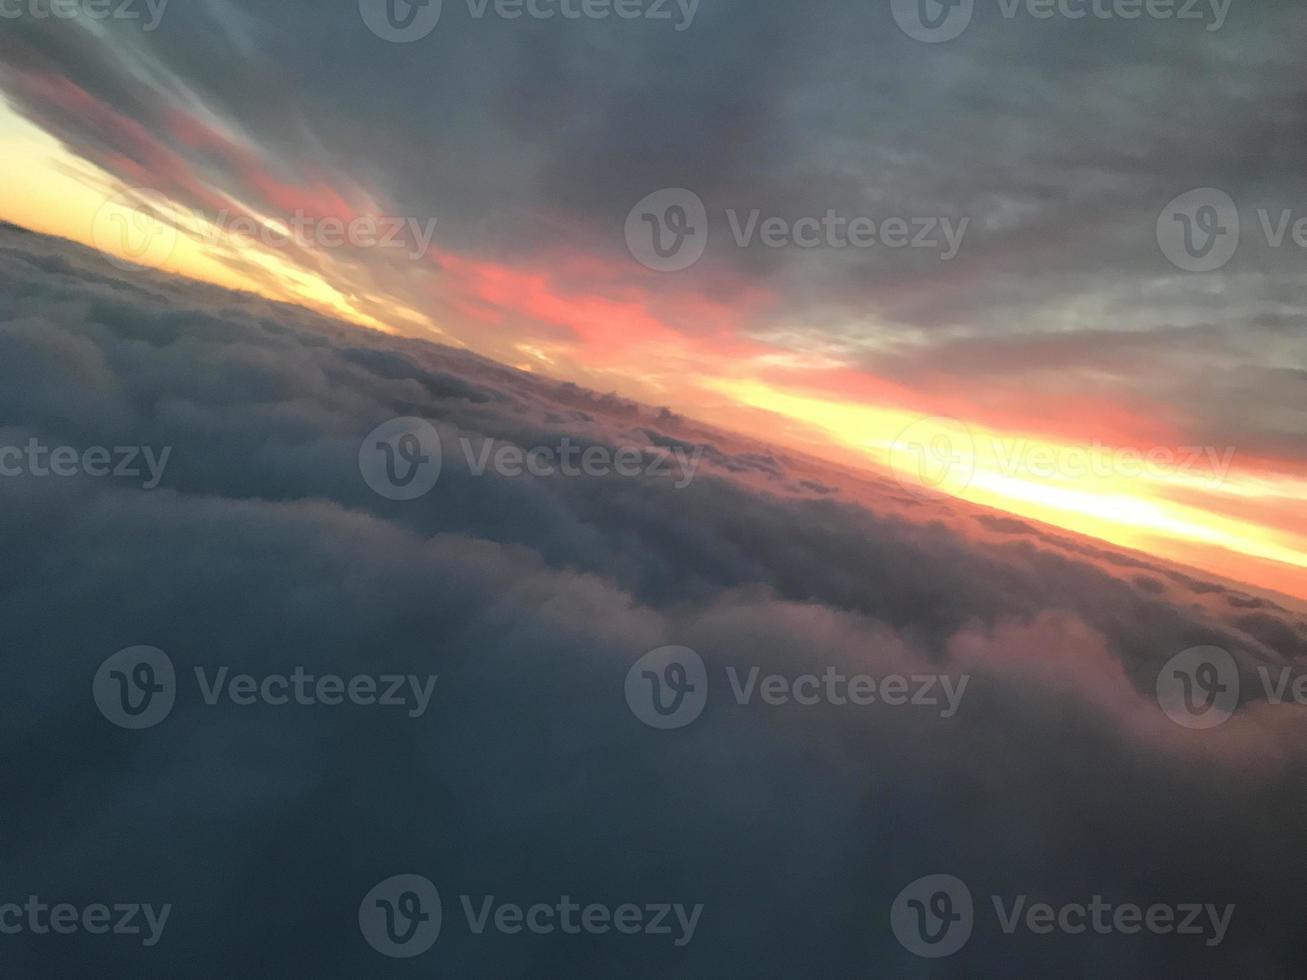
(1058, 368)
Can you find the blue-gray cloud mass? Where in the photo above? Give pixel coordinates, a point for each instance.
(263, 549)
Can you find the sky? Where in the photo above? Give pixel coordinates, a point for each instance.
(1042, 349)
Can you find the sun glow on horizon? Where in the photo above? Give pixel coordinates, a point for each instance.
(46, 188)
(1120, 496)
(1195, 511)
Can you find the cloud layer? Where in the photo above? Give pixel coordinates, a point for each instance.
(1060, 140)
(529, 778)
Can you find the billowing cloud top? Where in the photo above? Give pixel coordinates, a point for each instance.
(262, 547)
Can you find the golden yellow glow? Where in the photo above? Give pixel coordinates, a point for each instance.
(1097, 491)
(48, 189)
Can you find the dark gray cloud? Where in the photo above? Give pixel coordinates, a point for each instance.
(264, 549)
(1061, 140)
